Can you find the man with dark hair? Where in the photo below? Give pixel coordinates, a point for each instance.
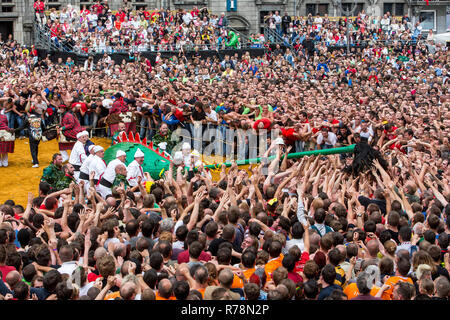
(401, 275)
(67, 178)
(327, 278)
(297, 237)
(251, 291)
(311, 289)
(275, 258)
(22, 291)
(181, 290)
(435, 253)
(51, 280)
(404, 237)
(404, 291)
(192, 236)
(319, 225)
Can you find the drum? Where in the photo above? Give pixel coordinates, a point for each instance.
(64, 143)
(7, 142)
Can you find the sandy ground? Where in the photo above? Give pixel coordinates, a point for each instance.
(19, 177)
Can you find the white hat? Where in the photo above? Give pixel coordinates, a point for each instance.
(120, 153)
(162, 145)
(186, 146)
(178, 158)
(138, 153)
(92, 146)
(279, 140)
(98, 148)
(195, 153)
(82, 133)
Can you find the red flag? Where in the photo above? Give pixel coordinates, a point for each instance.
(427, 1)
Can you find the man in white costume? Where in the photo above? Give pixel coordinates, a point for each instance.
(78, 154)
(97, 165)
(84, 169)
(135, 170)
(106, 182)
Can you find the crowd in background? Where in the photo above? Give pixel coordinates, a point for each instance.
(96, 29)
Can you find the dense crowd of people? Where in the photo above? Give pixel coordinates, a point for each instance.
(363, 29)
(368, 225)
(97, 29)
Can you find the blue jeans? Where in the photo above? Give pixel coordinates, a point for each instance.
(14, 117)
(279, 30)
(144, 127)
(87, 119)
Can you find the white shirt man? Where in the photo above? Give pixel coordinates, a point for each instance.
(84, 169)
(326, 139)
(187, 18)
(92, 18)
(134, 169)
(97, 165)
(105, 184)
(78, 154)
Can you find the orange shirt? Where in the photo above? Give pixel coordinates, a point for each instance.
(351, 290)
(158, 297)
(237, 283)
(112, 296)
(387, 295)
(249, 272)
(272, 265)
(202, 291)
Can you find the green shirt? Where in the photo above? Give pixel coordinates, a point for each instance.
(119, 179)
(52, 174)
(64, 182)
(158, 138)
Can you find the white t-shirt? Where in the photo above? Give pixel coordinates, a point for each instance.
(331, 139)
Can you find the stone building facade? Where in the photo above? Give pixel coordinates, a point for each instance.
(247, 16)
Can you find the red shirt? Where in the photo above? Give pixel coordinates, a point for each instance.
(288, 135)
(120, 16)
(5, 270)
(295, 277)
(93, 276)
(265, 121)
(179, 115)
(183, 257)
(98, 8)
(81, 105)
(299, 265)
(39, 6)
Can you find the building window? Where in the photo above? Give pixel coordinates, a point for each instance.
(388, 7)
(56, 6)
(395, 9)
(311, 9)
(317, 9)
(349, 6)
(428, 20)
(399, 9)
(7, 9)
